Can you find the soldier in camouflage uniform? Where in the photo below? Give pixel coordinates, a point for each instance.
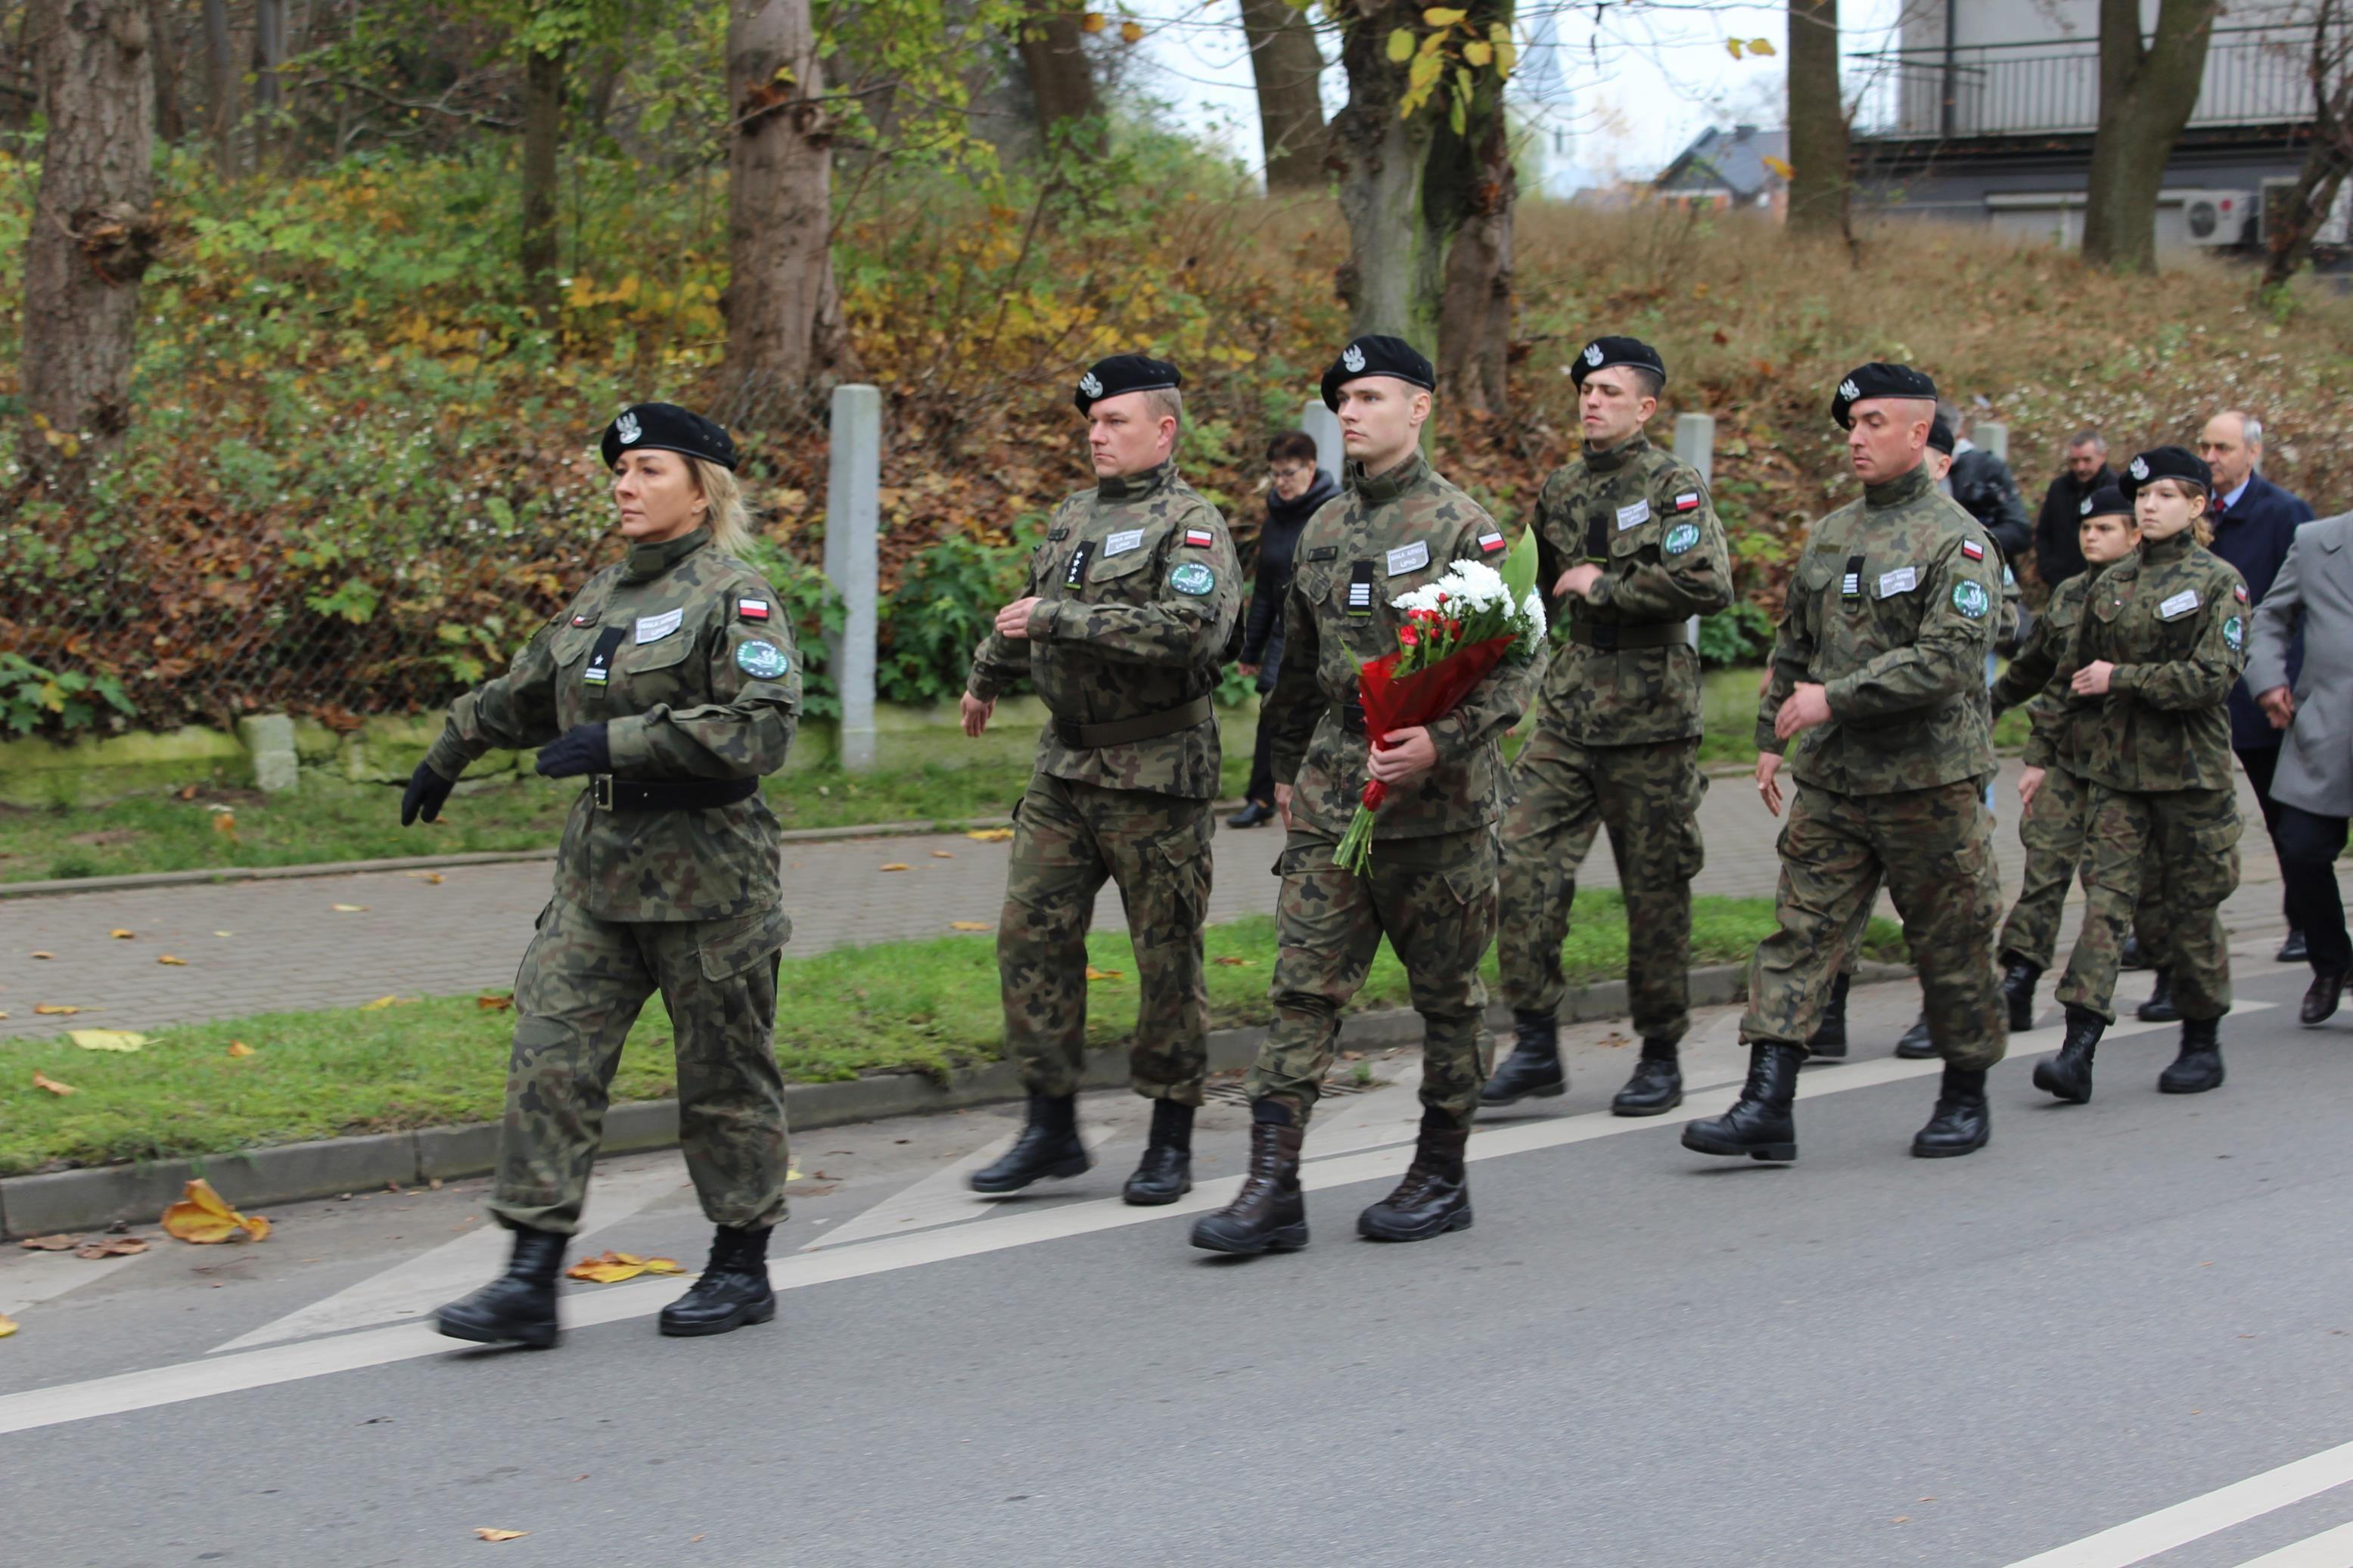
(1878, 695)
(672, 683)
(2161, 641)
(1630, 547)
(1430, 888)
(1131, 605)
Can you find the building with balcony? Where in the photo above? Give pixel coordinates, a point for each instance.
(1736, 168)
(1984, 114)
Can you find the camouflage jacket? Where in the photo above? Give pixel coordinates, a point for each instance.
(2038, 678)
(1644, 517)
(686, 657)
(2172, 618)
(1892, 610)
(1139, 594)
(1392, 532)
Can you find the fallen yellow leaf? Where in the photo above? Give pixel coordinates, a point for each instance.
(379, 1005)
(55, 1009)
(106, 1039)
(7, 1325)
(61, 1242)
(112, 1247)
(349, 909)
(990, 835)
(495, 1003)
(43, 1080)
(38, 954)
(432, 879)
(119, 934)
(1235, 962)
(612, 1268)
(203, 1217)
(175, 963)
(895, 866)
(1095, 974)
(970, 925)
(223, 933)
(941, 854)
(664, 1265)
(490, 1534)
(240, 1049)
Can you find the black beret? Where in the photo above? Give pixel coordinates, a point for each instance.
(2106, 502)
(2166, 463)
(1378, 354)
(1603, 352)
(1940, 435)
(1125, 373)
(1878, 379)
(667, 427)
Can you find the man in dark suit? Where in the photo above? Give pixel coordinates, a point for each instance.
(2057, 555)
(2254, 526)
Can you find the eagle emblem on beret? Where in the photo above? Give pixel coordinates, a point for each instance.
(2140, 468)
(1593, 354)
(1351, 359)
(1849, 390)
(1090, 385)
(626, 427)
(2086, 509)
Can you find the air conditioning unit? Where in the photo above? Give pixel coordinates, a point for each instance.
(2213, 218)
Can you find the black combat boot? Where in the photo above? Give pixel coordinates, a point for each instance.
(519, 1307)
(1534, 1066)
(2294, 950)
(2159, 1007)
(2320, 1000)
(1962, 1121)
(1829, 1038)
(1049, 1146)
(1269, 1215)
(1166, 1172)
(1657, 1086)
(2132, 955)
(2068, 1075)
(2018, 990)
(1916, 1046)
(734, 1290)
(1435, 1196)
(1760, 1124)
(2198, 1067)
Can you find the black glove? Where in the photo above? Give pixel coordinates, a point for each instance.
(427, 791)
(582, 749)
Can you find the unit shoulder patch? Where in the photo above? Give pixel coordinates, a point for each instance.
(762, 661)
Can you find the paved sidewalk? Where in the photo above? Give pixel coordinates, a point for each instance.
(262, 946)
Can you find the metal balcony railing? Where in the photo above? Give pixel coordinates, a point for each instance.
(2254, 76)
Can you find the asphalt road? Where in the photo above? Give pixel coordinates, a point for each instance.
(2123, 1334)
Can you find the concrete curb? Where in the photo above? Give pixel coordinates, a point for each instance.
(293, 1173)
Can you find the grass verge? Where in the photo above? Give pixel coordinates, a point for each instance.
(929, 1006)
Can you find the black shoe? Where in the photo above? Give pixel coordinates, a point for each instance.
(2018, 990)
(732, 1292)
(2133, 956)
(1049, 1146)
(1760, 1124)
(2320, 1002)
(2159, 1007)
(1916, 1046)
(1253, 814)
(519, 1307)
(1828, 1039)
(2068, 1075)
(2294, 951)
(1434, 1198)
(1166, 1172)
(1657, 1086)
(1269, 1215)
(1534, 1066)
(2198, 1067)
(1962, 1121)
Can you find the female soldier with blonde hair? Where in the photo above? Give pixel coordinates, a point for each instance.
(671, 684)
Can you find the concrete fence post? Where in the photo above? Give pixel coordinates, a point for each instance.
(1994, 436)
(852, 520)
(1325, 425)
(1696, 445)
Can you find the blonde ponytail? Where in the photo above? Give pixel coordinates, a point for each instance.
(729, 522)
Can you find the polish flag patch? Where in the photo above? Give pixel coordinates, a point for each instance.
(2239, 592)
(752, 609)
(1200, 538)
(1972, 549)
(1687, 501)
(1490, 542)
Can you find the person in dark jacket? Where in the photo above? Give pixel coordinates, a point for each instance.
(2254, 526)
(1296, 489)
(2058, 555)
(1981, 482)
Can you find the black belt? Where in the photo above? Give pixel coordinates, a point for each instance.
(1127, 732)
(677, 795)
(1609, 638)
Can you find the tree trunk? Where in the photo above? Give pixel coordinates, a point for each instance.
(2145, 98)
(1468, 193)
(1287, 69)
(162, 28)
(93, 233)
(220, 88)
(268, 89)
(1818, 130)
(2327, 159)
(1054, 57)
(543, 139)
(785, 332)
(1389, 283)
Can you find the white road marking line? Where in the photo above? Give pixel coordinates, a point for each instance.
(46, 1276)
(2138, 1540)
(942, 1197)
(2330, 1548)
(126, 1392)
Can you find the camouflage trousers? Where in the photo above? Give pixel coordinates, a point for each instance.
(1647, 797)
(1934, 850)
(1067, 840)
(1434, 899)
(2054, 831)
(2194, 833)
(582, 984)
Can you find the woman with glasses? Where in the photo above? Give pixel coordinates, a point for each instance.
(1296, 488)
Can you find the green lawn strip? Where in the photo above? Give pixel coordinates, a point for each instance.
(927, 1005)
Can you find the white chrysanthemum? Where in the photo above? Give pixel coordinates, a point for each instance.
(1423, 598)
(1480, 583)
(1533, 608)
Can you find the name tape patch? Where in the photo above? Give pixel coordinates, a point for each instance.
(1633, 516)
(1407, 558)
(1903, 580)
(2180, 605)
(1121, 543)
(653, 628)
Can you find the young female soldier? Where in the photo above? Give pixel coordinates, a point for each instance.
(2162, 637)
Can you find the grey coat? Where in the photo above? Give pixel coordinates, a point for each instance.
(2314, 591)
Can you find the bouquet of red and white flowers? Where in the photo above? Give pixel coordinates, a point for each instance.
(1456, 631)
